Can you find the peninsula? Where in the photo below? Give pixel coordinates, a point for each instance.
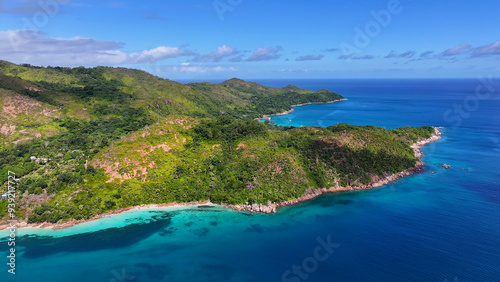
(86, 142)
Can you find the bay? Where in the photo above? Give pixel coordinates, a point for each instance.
(441, 226)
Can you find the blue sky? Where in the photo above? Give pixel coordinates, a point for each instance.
(219, 39)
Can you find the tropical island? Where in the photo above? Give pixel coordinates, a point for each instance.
(84, 142)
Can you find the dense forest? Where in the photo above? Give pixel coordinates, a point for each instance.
(84, 141)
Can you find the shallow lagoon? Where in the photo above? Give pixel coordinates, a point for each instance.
(426, 227)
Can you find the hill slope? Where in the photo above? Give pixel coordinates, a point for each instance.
(86, 141)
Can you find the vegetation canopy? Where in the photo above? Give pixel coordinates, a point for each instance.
(84, 141)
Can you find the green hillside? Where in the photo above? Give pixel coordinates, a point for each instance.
(88, 140)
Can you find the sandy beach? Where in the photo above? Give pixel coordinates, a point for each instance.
(272, 208)
(268, 117)
(55, 226)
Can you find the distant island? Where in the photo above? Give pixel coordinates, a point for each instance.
(87, 142)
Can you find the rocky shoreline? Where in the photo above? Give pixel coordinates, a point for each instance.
(268, 117)
(269, 208)
(313, 193)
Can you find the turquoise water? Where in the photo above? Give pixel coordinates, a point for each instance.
(427, 227)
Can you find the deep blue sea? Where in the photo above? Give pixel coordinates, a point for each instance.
(441, 226)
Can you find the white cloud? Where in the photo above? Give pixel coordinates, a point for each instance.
(310, 58)
(26, 46)
(23, 41)
(221, 53)
(265, 54)
(490, 49)
(458, 50)
(365, 57)
(407, 54)
(426, 54)
(187, 68)
(157, 54)
(348, 57)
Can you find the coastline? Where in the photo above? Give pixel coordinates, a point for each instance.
(268, 117)
(379, 182)
(270, 208)
(55, 226)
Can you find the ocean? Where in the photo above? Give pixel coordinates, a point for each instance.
(437, 225)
